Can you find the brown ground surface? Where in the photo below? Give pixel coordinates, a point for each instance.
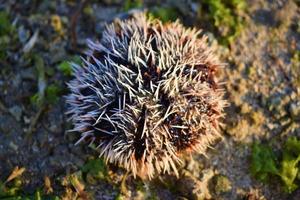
(262, 87)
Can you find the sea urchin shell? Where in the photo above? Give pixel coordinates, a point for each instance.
(146, 93)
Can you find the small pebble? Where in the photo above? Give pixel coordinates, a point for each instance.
(294, 110)
(16, 111)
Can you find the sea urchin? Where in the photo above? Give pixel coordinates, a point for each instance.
(147, 93)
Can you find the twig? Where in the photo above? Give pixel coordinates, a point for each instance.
(74, 19)
(30, 44)
(34, 121)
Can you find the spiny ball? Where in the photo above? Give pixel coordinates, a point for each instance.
(146, 94)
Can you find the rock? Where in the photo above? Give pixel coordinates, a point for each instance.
(294, 110)
(192, 188)
(182, 198)
(104, 14)
(16, 111)
(193, 166)
(274, 103)
(57, 53)
(16, 81)
(220, 184)
(28, 74)
(13, 146)
(187, 186)
(42, 138)
(23, 34)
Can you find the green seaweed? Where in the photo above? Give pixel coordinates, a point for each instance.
(289, 166)
(165, 14)
(47, 93)
(53, 92)
(130, 4)
(5, 24)
(95, 168)
(66, 66)
(39, 98)
(225, 16)
(295, 68)
(263, 164)
(120, 197)
(7, 34)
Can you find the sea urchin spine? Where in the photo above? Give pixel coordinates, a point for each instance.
(147, 93)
